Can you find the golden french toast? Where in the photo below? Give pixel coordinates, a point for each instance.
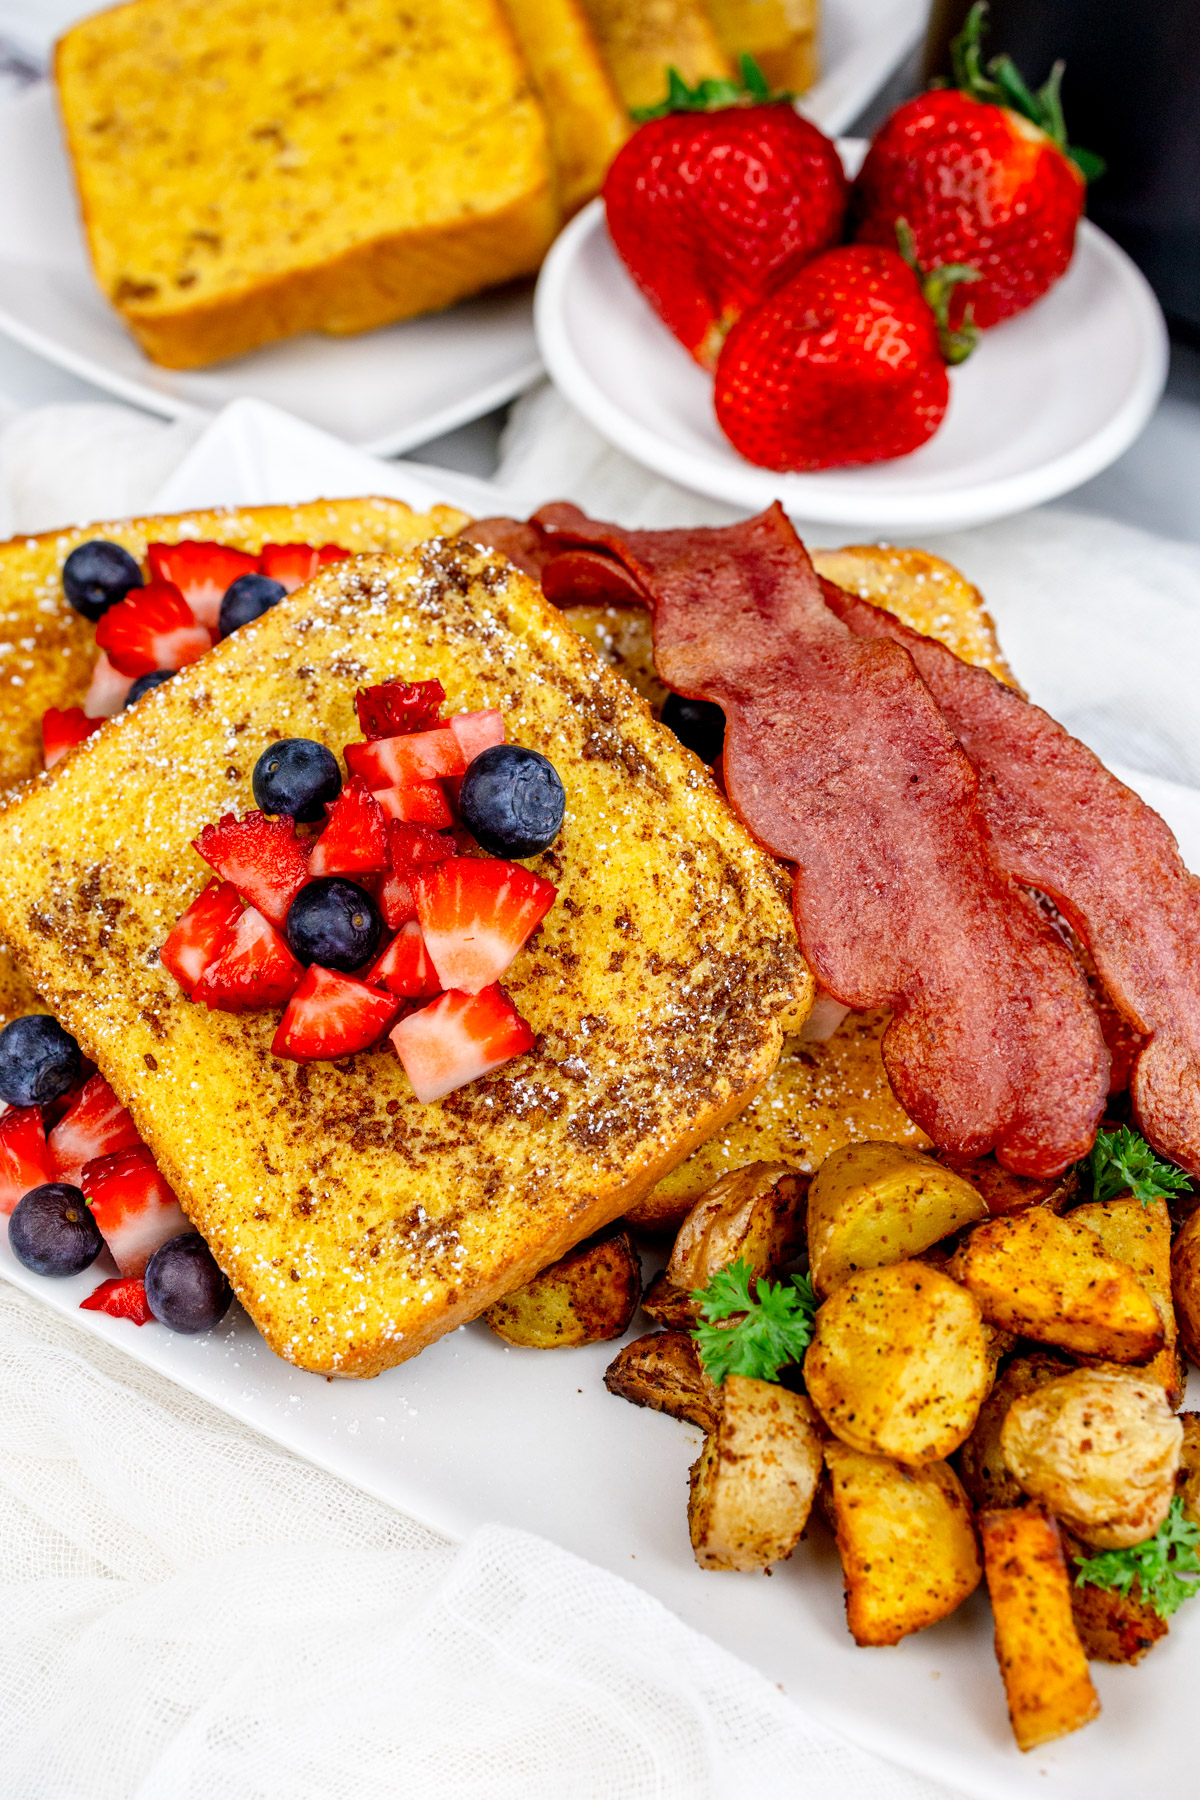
(584, 113)
(641, 39)
(356, 1224)
(781, 36)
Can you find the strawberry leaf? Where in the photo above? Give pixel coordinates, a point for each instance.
(1001, 83)
(1122, 1162)
(757, 1335)
(712, 94)
(1165, 1567)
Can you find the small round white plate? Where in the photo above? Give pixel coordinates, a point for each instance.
(1047, 400)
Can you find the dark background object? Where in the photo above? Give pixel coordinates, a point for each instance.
(1131, 92)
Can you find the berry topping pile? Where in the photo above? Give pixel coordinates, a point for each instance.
(386, 918)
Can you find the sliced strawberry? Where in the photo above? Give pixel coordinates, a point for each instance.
(108, 690)
(332, 1015)
(397, 902)
(411, 847)
(423, 803)
(294, 564)
(405, 968)
(97, 1125)
(201, 572)
(255, 969)
(152, 628)
(395, 708)
(133, 1205)
(458, 1038)
(399, 761)
(354, 840)
(201, 933)
(25, 1160)
(475, 913)
(477, 731)
(264, 859)
(121, 1297)
(61, 731)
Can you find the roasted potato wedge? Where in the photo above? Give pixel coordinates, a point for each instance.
(752, 1487)
(1004, 1192)
(1140, 1235)
(1052, 1280)
(907, 1544)
(585, 1298)
(873, 1204)
(1037, 1645)
(1185, 1285)
(753, 1215)
(663, 1370)
(1188, 1477)
(1112, 1627)
(898, 1364)
(985, 1474)
(1099, 1450)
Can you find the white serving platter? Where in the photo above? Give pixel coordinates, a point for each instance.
(473, 1431)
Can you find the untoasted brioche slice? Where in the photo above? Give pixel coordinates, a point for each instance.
(588, 123)
(781, 36)
(356, 1224)
(642, 39)
(250, 169)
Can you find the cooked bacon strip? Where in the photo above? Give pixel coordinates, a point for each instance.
(837, 758)
(522, 544)
(1062, 823)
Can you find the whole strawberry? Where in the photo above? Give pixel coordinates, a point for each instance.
(718, 200)
(983, 176)
(843, 365)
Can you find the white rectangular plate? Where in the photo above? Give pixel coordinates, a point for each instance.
(474, 1431)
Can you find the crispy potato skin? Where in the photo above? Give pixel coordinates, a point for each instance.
(663, 1370)
(1185, 1285)
(753, 1485)
(753, 1215)
(875, 1203)
(1050, 1279)
(1100, 1450)
(1141, 1236)
(1004, 1192)
(1037, 1646)
(585, 1298)
(898, 1364)
(1188, 1478)
(985, 1474)
(1112, 1627)
(907, 1544)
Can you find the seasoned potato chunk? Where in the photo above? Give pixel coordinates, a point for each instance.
(1112, 1627)
(753, 1215)
(1140, 1235)
(985, 1474)
(1037, 1646)
(898, 1364)
(585, 1298)
(663, 1370)
(1189, 1465)
(908, 1550)
(873, 1204)
(1004, 1192)
(1185, 1285)
(1052, 1280)
(754, 1482)
(1099, 1450)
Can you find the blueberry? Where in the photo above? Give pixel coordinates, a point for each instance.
(334, 922)
(98, 574)
(185, 1290)
(52, 1232)
(38, 1060)
(698, 724)
(297, 776)
(512, 800)
(144, 683)
(247, 598)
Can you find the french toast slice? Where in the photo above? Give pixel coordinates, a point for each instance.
(642, 39)
(587, 121)
(781, 36)
(356, 1224)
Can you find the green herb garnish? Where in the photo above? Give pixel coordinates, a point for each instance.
(712, 94)
(1002, 84)
(775, 1330)
(1122, 1162)
(1165, 1567)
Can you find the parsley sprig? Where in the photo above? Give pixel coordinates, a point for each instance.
(1122, 1162)
(1165, 1567)
(766, 1331)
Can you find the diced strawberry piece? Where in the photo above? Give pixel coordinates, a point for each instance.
(152, 628)
(263, 858)
(121, 1297)
(458, 1038)
(255, 969)
(61, 731)
(289, 564)
(396, 707)
(354, 840)
(477, 731)
(202, 572)
(423, 803)
(108, 689)
(411, 847)
(25, 1159)
(331, 553)
(399, 761)
(133, 1205)
(201, 934)
(332, 1015)
(397, 902)
(405, 968)
(475, 914)
(97, 1125)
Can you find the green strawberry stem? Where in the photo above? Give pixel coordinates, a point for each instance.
(712, 94)
(938, 285)
(1001, 84)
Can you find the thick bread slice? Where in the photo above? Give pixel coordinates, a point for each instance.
(929, 595)
(781, 36)
(357, 1225)
(642, 39)
(250, 169)
(587, 121)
